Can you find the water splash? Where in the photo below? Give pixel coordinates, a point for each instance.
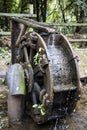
(61, 124)
(51, 39)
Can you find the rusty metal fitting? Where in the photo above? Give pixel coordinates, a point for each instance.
(29, 43)
(45, 97)
(23, 38)
(42, 93)
(33, 36)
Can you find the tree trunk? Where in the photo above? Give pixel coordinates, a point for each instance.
(79, 16)
(37, 10)
(23, 5)
(62, 11)
(43, 10)
(5, 11)
(40, 7)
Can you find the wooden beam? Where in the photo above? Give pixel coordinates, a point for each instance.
(35, 25)
(68, 24)
(17, 15)
(77, 40)
(35, 22)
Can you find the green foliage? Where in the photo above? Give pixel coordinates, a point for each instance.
(75, 47)
(11, 6)
(57, 11)
(5, 54)
(38, 57)
(61, 11)
(1, 81)
(2, 96)
(29, 65)
(4, 50)
(41, 107)
(7, 6)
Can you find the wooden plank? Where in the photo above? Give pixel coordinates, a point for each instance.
(17, 15)
(68, 24)
(34, 25)
(77, 40)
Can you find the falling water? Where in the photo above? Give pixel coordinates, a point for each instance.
(51, 39)
(61, 123)
(61, 75)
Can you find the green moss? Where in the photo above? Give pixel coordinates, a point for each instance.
(1, 81)
(22, 82)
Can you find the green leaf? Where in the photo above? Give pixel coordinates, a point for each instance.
(43, 112)
(29, 65)
(39, 106)
(35, 106)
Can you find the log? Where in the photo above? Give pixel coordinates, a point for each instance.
(17, 15)
(68, 24)
(34, 25)
(39, 23)
(77, 40)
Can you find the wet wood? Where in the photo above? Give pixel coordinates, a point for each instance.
(63, 87)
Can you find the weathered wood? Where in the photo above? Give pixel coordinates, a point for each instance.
(34, 25)
(68, 24)
(17, 15)
(77, 40)
(39, 23)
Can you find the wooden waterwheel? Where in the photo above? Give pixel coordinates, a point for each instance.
(51, 74)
